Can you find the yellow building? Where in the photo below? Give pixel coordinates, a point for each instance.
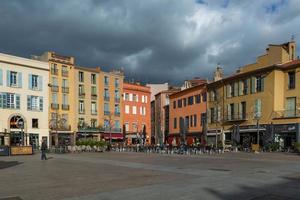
(260, 102)
(61, 93)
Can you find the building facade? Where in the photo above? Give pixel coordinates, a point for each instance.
(23, 101)
(62, 115)
(259, 104)
(137, 113)
(187, 115)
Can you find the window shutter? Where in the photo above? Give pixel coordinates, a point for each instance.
(41, 103)
(17, 101)
(228, 112)
(1, 78)
(4, 100)
(1, 100)
(30, 81)
(262, 79)
(8, 78)
(240, 111)
(40, 83)
(241, 88)
(253, 85)
(20, 80)
(29, 103)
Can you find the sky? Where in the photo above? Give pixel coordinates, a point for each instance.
(153, 41)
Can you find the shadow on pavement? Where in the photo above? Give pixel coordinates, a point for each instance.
(7, 164)
(287, 190)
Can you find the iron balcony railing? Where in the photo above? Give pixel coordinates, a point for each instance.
(117, 114)
(106, 98)
(55, 106)
(65, 106)
(81, 94)
(60, 127)
(94, 96)
(54, 88)
(286, 114)
(81, 111)
(236, 117)
(65, 89)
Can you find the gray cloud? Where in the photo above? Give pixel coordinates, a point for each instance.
(153, 40)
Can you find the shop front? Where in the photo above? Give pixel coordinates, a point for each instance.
(286, 135)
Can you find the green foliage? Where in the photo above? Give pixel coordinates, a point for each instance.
(274, 146)
(297, 146)
(91, 143)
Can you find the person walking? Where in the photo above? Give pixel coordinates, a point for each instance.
(43, 149)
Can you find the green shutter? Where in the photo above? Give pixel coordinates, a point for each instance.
(8, 78)
(19, 76)
(17, 101)
(1, 100)
(241, 88)
(29, 102)
(253, 85)
(41, 103)
(1, 77)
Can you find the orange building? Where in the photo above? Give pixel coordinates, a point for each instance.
(137, 113)
(187, 115)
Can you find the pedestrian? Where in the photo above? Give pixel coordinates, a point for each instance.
(43, 149)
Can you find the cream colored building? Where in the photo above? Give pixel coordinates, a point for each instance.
(259, 103)
(23, 101)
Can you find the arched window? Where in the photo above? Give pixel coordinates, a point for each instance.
(15, 120)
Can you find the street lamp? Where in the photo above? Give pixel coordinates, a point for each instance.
(257, 117)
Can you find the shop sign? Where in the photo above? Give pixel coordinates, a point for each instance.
(21, 150)
(285, 128)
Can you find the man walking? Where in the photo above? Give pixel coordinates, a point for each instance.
(43, 149)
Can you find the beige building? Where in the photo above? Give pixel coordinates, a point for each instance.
(259, 103)
(23, 101)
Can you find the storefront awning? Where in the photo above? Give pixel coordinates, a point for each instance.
(113, 136)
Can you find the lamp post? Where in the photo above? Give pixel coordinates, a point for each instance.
(257, 117)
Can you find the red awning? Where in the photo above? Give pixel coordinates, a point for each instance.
(113, 136)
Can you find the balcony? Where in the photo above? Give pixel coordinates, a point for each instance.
(81, 111)
(60, 127)
(94, 96)
(54, 72)
(285, 114)
(65, 106)
(65, 89)
(106, 98)
(94, 112)
(117, 100)
(117, 114)
(64, 73)
(106, 113)
(237, 117)
(54, 88)
(54, 106)
(89, 129)
(81, 95)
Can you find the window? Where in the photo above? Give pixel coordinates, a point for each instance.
(13, 78)
(253, 85)
(35, 123)
(186, 122)
(106, 107)
(242, 110)
(231, 116)
(184, 102)
(175, 123)
(134, 127)
(236, 89)
(134, 97)
(34, 103)
(117, 83)
(81, 122)
(290, 107)
(126, 126)
(127, 109)
(144, 110)
(106, 80)
(195, 120)
(228, 91)
(9, 100)
(94, 108)
(65, 99)
(117, 94)
(179, 103)
(174, 104)
(54, 98)
(54, 69)
(106, 93)
(191, 100)
(259, 84)
(143, 99)
(81, 106)
(292, 80)
(126, 96)
(93, 79)
(130, 97)
(117, 109)
(81, 76)
(203, 119)
(232, 90)
(245, 86)
(191, 121)
(65, 83)
(134, 110)
(204, 97)
(198, 98)
(81, 90)
(117, 124)
(54, 81)
(94, 90)
(93, 123)
(34, 82)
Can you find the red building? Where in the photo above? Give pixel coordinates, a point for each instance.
(137, 113)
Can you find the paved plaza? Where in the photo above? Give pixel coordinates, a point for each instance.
(113, 175)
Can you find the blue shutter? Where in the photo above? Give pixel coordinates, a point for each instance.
(4, 97)
(20, 80)
(29, 103)
(17, 101)
(1, 100)
(30, 82)
(8, 78)
(1, 78)
(41, 103)
(40, 79)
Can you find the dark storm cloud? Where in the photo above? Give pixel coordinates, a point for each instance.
(153, 40)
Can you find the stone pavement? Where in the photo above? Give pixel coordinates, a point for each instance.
(114, 175)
